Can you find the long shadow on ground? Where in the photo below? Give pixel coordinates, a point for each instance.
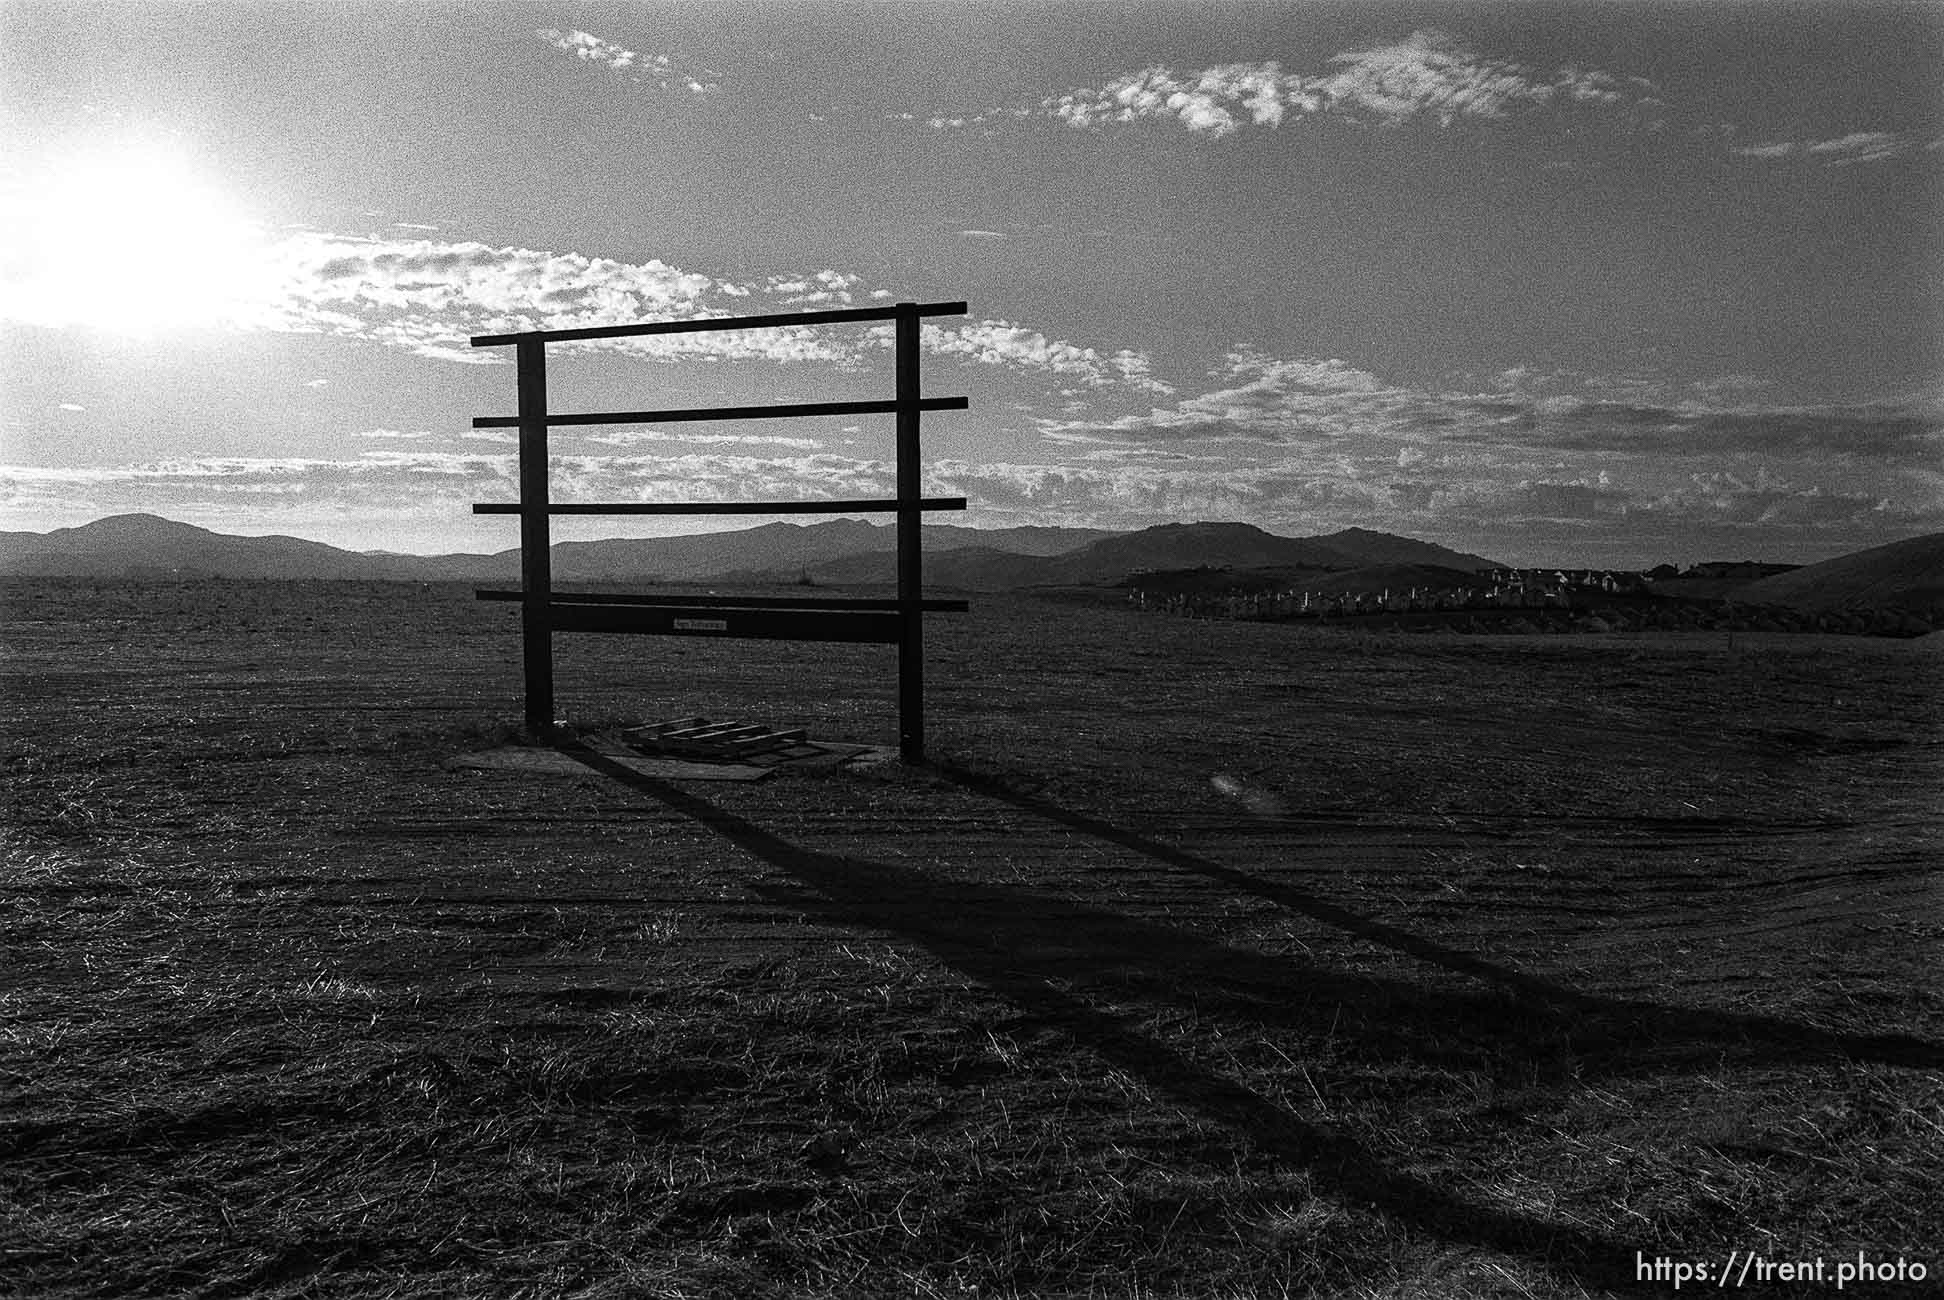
(1707, 1036)
(1033, 948)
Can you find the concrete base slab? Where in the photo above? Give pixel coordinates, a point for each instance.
(551, 762)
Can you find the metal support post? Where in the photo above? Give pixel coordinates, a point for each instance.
(911, 650)
(536, 546)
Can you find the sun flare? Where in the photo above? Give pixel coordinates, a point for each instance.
(132, 242)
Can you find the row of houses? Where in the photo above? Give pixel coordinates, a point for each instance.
(1270, 605)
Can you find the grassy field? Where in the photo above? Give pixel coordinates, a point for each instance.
(1207, 959)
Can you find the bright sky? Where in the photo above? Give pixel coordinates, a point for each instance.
(1605, 283)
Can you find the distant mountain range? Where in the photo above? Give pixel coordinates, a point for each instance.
(838, 552)
(987, 567)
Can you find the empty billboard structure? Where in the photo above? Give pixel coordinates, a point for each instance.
(898, 621)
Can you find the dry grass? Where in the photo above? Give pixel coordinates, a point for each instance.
(1483, 966)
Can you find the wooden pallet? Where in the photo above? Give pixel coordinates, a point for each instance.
(703, 738)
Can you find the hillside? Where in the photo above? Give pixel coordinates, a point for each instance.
(1370, 547)
(1024, 540)
(1909, 574)
(783, 547)
(1180, 546)
(1244, 546)
(142, 545)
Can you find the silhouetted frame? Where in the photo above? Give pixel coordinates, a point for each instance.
(898, 622)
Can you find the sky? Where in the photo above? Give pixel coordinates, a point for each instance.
(1597, 283)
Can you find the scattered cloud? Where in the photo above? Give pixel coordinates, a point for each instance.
(821, 290)
(1015, 347)
(1843, 151)
(1763, 498)
(430, 297)
(1428, 74)
(1261, 399)
(1517, 414)
(375, 479)
(1860, 147)
(1432, 74)
(589, 48)
(1906, 432)
(654, 69)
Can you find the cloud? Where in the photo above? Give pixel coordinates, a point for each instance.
(1428, 74)
(1766, 499)
(1008, 346)
(1207, 101)
(1332, 443)
(1909, 431)
(589, 48)
(1431, 74)
(1575, 499)
(1843, 151)
(429, 297)
(426, 481)
(1270, 401)
(821, 290)
(1860, 147)
(1263, 399)
(649, 68)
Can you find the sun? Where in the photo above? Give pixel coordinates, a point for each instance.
(130, 241)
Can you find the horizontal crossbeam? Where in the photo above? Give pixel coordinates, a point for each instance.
(719, 323)
(730, 602)
(790, 411)
(873, 505)
(884, 627)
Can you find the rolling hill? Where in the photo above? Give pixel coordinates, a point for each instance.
(1907, 574)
